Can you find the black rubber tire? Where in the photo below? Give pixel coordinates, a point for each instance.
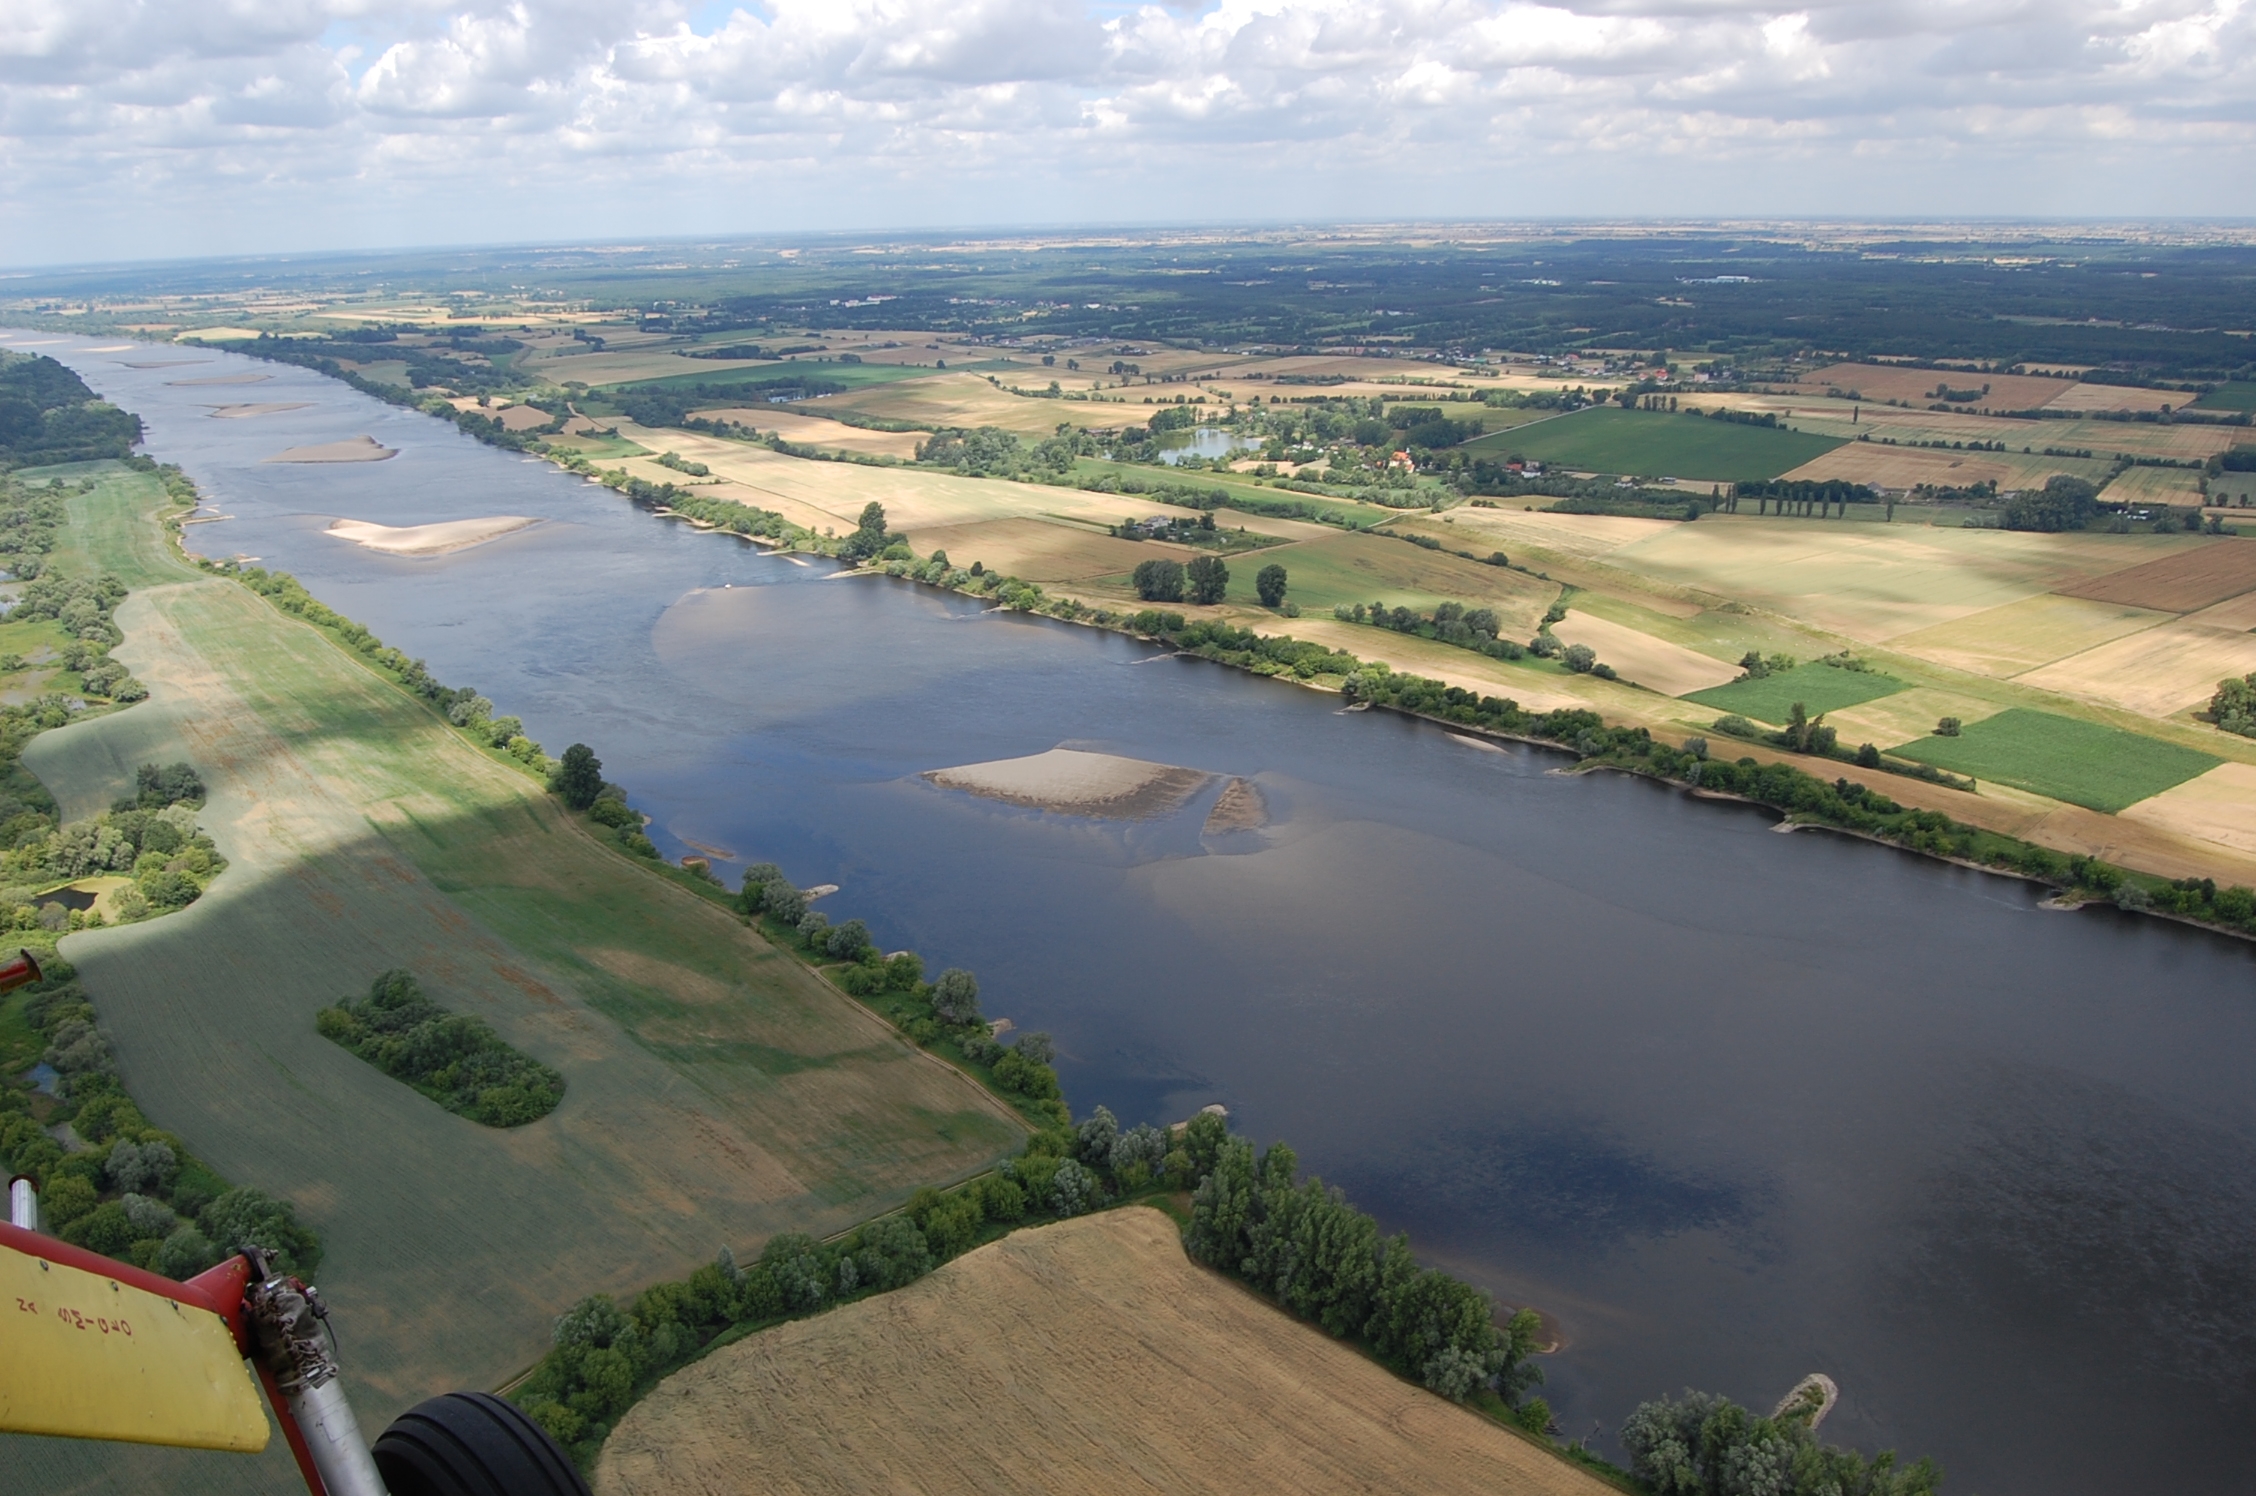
(472, 1444)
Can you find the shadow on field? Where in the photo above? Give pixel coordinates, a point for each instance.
(717, 1091)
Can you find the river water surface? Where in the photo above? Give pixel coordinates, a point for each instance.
(1731, 1106)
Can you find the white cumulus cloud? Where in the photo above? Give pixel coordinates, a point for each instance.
(131, 128)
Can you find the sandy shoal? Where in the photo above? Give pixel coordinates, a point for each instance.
(439, 539)
(1090, 1355)
(242, 412)
(219, 379)
(1072, 782)
(355, 449)
(1240, 808)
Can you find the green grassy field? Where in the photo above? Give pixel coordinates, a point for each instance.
(853, 376)
(718, 1090)
(1653, 444)
(1819, 688)
(2083, 763)
(2239, 394)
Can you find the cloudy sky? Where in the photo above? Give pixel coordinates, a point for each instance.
(134, 129)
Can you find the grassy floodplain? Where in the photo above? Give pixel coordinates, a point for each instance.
(1819, 688)
(718, 1091)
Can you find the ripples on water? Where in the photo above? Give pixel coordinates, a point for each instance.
(1732, 1106)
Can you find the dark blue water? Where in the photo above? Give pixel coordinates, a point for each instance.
(1731, 1106)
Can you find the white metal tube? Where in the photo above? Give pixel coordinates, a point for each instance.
(23, 1204)
(333, 1438)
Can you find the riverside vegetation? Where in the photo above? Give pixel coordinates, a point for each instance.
(109, 1181)
(1250, 1214)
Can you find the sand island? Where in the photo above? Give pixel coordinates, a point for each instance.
(1072, 782)
(353, 449)
(439, 539)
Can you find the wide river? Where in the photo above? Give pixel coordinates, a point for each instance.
(1731, 1106)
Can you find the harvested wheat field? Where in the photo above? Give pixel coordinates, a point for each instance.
(1655, 664)
(2219, 806)
(1091, 1355)
(1873, 582)
(818, 431)
(2081, 396)
(953, 399)
(1884, 466)
(2184, 583)
(523, 418)
(2143, 438)
(1886, 382)
(1044, 551)
(2157, 673)
(2178, 487)
(2004, 641)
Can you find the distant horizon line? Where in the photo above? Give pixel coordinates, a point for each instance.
(1157, 228)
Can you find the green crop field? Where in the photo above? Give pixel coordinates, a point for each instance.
(852, 376)
(2240, 394)
(2083, 763)
(1819, 688)
(718, 1091)
(1653, 444)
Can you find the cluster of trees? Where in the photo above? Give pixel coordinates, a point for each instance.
(578, 781)
(1262, 654)
(460, 705)
(871, 538)
(2233, 706)
(1205, 579)
(83, 609)
(2064, 503)
(1306, 1247)
(1704, 1445)
(29, 518)
(1492, 477)
(991, 452)
(1450, 623)
(136, 1193)
(170, 861)
(456, 1060)
(48, 415)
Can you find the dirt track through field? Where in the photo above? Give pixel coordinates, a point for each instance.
(1091, 1355)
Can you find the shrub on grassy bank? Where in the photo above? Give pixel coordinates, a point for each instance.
(136, 1192)
(456, 1060)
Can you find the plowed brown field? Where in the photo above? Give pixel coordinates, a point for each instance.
(2178, 584)
(1087, 1356)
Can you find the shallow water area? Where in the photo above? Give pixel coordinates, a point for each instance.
(1203, 441)
(1730, 1106)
